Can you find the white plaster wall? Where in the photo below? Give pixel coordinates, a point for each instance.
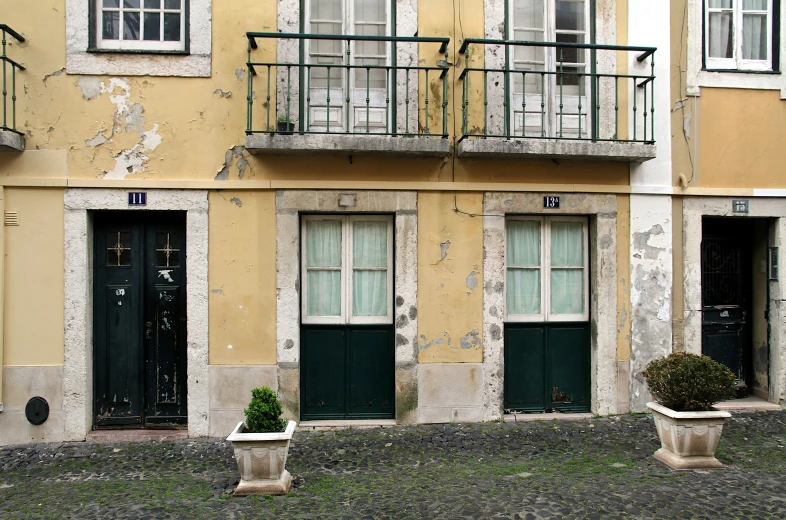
(450, 392)
(78, 310)
(20, 384)
(649, 25)
(693, 210)
(230, 392)
(602, 210)
(196, 64)
(650, 292)
(289, 205)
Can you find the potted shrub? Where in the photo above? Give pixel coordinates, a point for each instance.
(261, 444)
(285, 125)
(685, 387)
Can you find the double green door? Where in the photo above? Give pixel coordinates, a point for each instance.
(547, 367)
(139, 303)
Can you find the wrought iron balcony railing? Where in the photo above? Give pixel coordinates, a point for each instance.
(9, 73)
(556, 91)
(346, 84)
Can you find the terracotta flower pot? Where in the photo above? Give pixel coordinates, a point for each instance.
(688, 439)
(261, 458)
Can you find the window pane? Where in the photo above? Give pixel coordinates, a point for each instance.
(370, 244)
(523, 291)
(111, 27)
(323, 243)
(567, 244)
(172, 4)
(754, 5)
(369, 293)
(721, 35)
(172, 27)
(528, 13)
(326, 9)
(567, 291)
(153, 4)
(570, 15)
(111, 3)
(153, 26)
(754, 37)
(131, 3)
(370, 11)
(130, 26)
(324, 293)
(724, 4)
(523, 243)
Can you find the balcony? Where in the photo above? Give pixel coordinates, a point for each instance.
(11, 139)
(346, 95)
(556, 100)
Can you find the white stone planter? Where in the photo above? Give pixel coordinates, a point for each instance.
(688, 439)
(261, 458)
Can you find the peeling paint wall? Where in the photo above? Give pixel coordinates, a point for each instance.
(241, 275)
(450, 273)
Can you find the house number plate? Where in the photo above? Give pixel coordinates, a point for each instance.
(137, 198)
(551, 202)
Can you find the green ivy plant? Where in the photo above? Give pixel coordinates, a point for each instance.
(688, 383)
(263, 414)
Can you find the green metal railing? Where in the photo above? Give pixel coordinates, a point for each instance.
(563, 97)
(296, 83)
(14, 66)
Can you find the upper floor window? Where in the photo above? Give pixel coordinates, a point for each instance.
(738, 34)
(141, 25)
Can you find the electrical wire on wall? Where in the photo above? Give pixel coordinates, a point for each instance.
(685, 100)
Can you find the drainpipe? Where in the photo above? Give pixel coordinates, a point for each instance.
(2, 287)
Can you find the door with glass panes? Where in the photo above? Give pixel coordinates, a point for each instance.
(550, 94)
(347, 351)
(358, 101)
(547, 337)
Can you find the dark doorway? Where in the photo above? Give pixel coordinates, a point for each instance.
(139, 303)
(733, 283)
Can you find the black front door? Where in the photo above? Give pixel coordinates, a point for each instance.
(139, 303)
(726, 295)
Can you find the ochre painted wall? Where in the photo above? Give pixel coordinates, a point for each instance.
(242, 277)
(34, 272)
(450, 278)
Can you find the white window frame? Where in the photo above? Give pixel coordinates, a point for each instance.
(737, 62)
(141, 44)
(545, 314)
(347, 269)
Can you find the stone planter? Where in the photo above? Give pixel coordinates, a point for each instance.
(261, 458)
(688, 439)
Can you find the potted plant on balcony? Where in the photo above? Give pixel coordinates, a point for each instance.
(285, 125)
(685, 387)
(261, 444)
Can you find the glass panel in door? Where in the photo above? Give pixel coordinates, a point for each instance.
(326, 84)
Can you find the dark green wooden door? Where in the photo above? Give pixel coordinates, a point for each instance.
(547, 367)
(347, 372)
(139, 318)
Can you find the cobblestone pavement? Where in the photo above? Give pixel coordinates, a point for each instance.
(599, 468)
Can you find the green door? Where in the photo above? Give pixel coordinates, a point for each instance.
(139, 315)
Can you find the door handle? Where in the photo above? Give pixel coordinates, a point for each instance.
(148, 330)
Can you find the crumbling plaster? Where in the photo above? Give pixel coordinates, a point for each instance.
(694, 208)
(290, 204)
(78, 362)
(602, 210)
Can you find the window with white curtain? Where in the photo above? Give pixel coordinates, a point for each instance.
(546, 269)
(347, 269)
(738, 34)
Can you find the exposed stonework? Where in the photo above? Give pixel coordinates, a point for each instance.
(78, 361)
(21, 383)
(289, 205)
(11, 142)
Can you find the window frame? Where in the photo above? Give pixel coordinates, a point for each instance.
(545, 314)
(737, 63)
(97, 44)
(346, 269)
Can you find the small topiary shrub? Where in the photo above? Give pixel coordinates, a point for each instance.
(689, 383)
(263, 414)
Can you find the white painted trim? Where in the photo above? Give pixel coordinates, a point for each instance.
(737, 62)
(697, 78)
(768, 192)
(78, 311)
(195, 64)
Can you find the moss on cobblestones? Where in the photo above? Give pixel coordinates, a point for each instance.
(602, 468)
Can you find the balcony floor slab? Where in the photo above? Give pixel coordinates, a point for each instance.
(11, 142)
(524, 148)
(338, 144)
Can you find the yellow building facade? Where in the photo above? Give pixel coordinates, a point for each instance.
(453, 211)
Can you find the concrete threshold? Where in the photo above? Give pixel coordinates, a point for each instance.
(360, 424)
(748, 403)
(137, 435)
(530, 417)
